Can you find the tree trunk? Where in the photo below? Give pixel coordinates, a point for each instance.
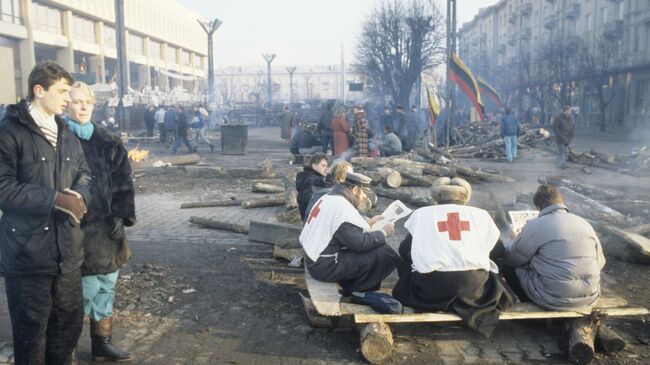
(214, 224)
(581, 340)
(258, 187)
(608, 340)
(214, 203)
(263, 202)
(376, 342)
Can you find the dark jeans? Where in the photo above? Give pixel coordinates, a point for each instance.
(149, 128)
(182, 139)
(163, 132)
(327, 139)
(46, 316)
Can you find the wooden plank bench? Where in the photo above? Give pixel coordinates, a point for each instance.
(376, 336)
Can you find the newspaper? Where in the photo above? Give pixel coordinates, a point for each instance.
(395, 211)
(520, 217)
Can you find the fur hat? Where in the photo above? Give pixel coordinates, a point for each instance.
(445, 190)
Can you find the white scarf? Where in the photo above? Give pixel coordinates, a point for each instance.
(47, 124)
(325, 217)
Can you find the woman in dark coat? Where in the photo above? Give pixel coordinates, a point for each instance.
(111, 208)
(311, 179)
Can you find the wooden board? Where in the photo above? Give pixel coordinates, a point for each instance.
(327, 301)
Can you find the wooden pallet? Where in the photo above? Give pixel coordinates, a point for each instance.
(376, 336)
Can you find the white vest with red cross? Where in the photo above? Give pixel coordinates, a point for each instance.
(325, 217)
(451, 237)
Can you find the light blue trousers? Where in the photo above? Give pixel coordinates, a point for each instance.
(511, 147)
(99, 295)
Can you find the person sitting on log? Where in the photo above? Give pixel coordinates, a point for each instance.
(556, 259)
(309, 144)
(340, 248)
(446, 259)
(310, 180)
(392, 145)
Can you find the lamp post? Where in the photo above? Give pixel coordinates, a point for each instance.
(269, 87)
(122, 63)
(307, 77)
(291, 70)
(210, 27)
(451, 48)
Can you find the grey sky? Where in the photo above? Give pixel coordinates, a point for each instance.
(298, 31)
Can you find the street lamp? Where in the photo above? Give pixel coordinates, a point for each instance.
(269, 87)
(210, 27)
(291, 70)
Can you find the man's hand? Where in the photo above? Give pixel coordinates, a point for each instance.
(374, 219)
(389, 229)
(512, 233)
(117, 233)
(70, 204)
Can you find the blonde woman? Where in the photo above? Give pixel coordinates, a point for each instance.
(110, 209)
(340, 170)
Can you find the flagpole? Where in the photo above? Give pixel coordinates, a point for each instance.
(451, 47)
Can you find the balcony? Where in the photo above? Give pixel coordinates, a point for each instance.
(525, 33)
(613, 29)
(574, 11)
(550, 22)
(526, 8)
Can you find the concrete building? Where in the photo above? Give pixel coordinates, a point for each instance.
(503, 40)
(166, 46)
(248, 84)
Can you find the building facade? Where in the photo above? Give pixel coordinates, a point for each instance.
(533, 52)
(248, 84)
(165, 45)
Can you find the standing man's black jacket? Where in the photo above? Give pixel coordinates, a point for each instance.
(113, 197)
(307, 182)
(34, 239)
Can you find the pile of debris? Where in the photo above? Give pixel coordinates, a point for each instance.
(637, 163)
(484, 140)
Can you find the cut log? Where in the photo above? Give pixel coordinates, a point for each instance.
(212, 203)
(416, 181)
(290, 216)
(214, 224)
(263, 202)
(182, 160)
(608, 340)
(623, 245)
(290, 193)
(403, 196)
(250, 173)
(585, 189)
(376, 342)
(592, 209)
(390, 178)
(287, 250)
(478, 175)
(258, 187)
(637, 208)
(271, 233)
(581, 341)
(277, 182)
(315, 319)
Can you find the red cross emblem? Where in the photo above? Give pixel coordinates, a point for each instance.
(314, 211)
(454, 226)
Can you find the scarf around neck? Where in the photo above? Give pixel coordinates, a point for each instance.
(83, 131)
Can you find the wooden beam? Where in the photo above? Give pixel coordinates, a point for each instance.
(267, 232)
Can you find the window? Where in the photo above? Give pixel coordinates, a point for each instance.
(603, 13)
(588, 23)
(135, 44)
(643, 96)
(47, 19)
(10, 11)
(154, 50)
(619, 10)
(186, 58)
(83, 29)
(109, 36)
(171, 54)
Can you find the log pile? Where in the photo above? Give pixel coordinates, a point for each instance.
(483, 140)
(636, 163)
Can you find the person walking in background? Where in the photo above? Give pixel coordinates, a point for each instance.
(160, 120)
(341, 132)
(199, 126)
(509, 131)
(44, 190)
(360, 134)
(563, 127)
(111, 208)
(149, 120)
(182, 127)
(325, 126)
(286, 121)
(171, 123)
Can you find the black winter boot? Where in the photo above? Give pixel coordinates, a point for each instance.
(102, 348)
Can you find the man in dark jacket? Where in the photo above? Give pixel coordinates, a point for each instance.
(310, 180)
(386, 119)
(325, 127)
(182, 126)
(44, 187)
(509, 132)
(563, 127)
(171, 125)
(150, 120)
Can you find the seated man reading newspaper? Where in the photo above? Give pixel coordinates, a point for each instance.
(341, 248)
(446, 259)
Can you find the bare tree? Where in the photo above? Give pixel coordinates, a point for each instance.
(560, 58)
(596, 66)
(229, 89)
(398, 41)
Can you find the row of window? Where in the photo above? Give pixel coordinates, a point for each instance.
(10, 11)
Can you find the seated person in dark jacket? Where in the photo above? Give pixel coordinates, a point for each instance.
(447, 259)
(309, 144)
(339, 245)
(310, 180)
(392, 145)
(294, 145)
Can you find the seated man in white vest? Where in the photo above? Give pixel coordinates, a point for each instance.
(446, 259)
(339, 245)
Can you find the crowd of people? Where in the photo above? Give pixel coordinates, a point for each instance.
(175, 124)
(66, 194)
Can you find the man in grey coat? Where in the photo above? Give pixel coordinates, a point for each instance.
(557, 256)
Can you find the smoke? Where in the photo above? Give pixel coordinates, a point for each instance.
(345, 156)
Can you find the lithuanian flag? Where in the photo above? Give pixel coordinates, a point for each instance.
(462, 76)
(488, 90)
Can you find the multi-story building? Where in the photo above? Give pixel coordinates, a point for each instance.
(248, 84)
(166, 46)
(502, 42)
